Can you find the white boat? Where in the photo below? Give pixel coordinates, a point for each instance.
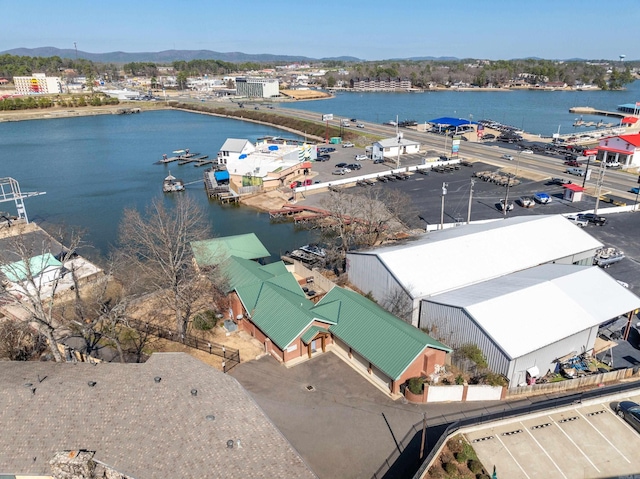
(171, 184)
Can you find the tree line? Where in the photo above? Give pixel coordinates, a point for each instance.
(422, 73)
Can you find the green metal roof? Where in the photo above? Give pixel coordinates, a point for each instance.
(383, 339)
(240, 272)
(215, 250)
(310, 333)
(19, 270)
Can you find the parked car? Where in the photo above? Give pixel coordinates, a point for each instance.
(360, 125)
(488, 136)
(630, 412)
(348, 144)
(324, 157)
(577, 221)
(353, 120)
(339, 171)
(501, 205)
(526, 202)
(341, 165)
(542, 198)
(635, 190)
(354, 166)
(612, 164)
(377, 161)
(360, 157)
(593, 219)
(507, 157)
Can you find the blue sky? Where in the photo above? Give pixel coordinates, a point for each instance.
(370, 30)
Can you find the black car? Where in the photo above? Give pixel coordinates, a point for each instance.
(354, 120)
(378, 161)
(324, 157)
(593, 219)
(341, 165)
(354, 166)
(630, 412)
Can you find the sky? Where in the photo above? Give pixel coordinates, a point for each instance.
(368, 30)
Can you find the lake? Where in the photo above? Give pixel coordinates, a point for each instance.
(94, 167)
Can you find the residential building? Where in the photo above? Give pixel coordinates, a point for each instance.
(257, 87)
(172, 416)
(38, 83)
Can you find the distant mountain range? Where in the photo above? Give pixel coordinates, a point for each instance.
(169, 56)
(166, 56)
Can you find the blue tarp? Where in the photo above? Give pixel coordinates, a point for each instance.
(273, 147)
(447, 120)
(242, 156)
(221, 175)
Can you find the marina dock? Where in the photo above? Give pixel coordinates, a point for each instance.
(221, 192)
(587, 110)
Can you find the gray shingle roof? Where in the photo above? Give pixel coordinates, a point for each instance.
(137, 426)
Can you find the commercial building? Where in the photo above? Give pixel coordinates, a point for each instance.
(394, 148)
(37, 84)
(257, 87)
(623, 149)
(523, 301)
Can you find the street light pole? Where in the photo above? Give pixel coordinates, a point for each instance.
(470, 196)
(444, 192)
(399, 145)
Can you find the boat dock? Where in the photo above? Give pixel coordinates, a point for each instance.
(587, 110)
(221, 192)
(182, 155)
(198, 160)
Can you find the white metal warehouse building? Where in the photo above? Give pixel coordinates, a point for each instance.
(529, 318)
(446, 260)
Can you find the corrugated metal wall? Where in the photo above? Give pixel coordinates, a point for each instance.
(454, 327)
(369, 275)
(543, 358)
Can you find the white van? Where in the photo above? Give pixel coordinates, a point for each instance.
(576, 171)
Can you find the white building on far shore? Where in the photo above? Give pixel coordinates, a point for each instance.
(257, 87)
(37, 84)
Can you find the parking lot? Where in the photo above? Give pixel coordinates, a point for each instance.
(586, 441)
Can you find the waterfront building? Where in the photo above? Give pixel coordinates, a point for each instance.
(269, 164)
(37, 84)
(257, 87)
(380, 83)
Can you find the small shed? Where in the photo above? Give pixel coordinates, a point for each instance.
(573, 192)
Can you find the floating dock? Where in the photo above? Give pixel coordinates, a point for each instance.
(587, 110)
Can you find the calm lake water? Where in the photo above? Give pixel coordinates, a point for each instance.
(539, 112)
(92, 168)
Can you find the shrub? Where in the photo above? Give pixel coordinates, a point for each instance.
(416, 385)
(451, 468)
(473, 353)
(475, 467)
(205, 321)
(459, 379)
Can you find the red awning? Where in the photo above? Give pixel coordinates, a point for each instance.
(306, 164)
(615, 150)
(629, 120)
(574, 187)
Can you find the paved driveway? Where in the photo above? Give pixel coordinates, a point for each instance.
(345, 427)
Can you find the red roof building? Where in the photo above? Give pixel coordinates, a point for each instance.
(623, 150)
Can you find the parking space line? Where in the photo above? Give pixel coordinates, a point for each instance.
(512, 457)
(577, 447)
(544, 450)
(603, 436)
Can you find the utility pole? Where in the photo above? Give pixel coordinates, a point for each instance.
(599, 186)
(399, 145)
(76, 48)
(470, 197)
(444, 192)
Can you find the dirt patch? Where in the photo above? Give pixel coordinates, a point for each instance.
(305, 94)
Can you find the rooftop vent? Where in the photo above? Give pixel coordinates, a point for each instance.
(157, 379)
(194, 392)
(210, 417)
(91, 383)
(27, 385)
(230, 444)
(310, 388)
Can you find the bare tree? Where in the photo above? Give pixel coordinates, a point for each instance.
(30, 264)
(18, 342)
(399, 303)
(157, 247)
